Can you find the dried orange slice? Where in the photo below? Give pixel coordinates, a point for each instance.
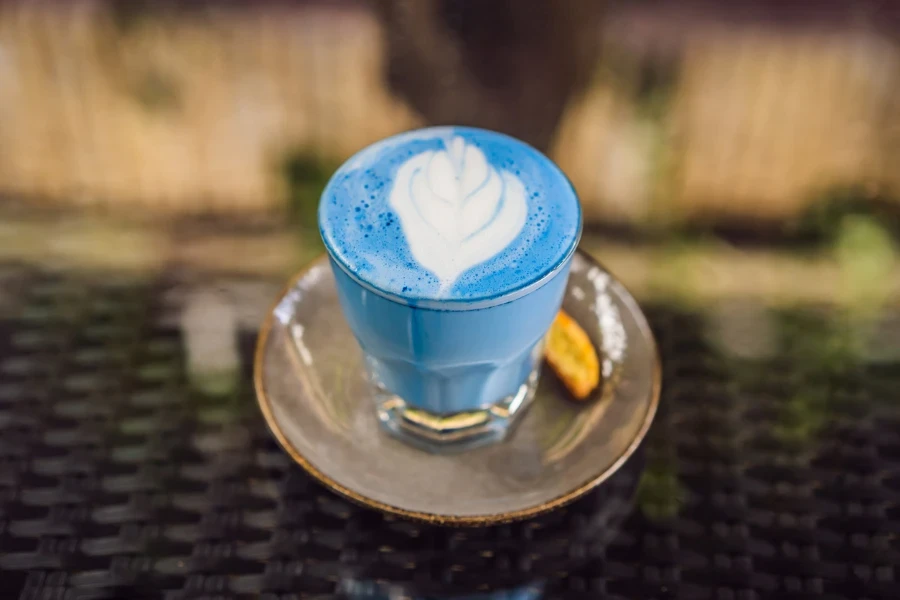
(572, 356)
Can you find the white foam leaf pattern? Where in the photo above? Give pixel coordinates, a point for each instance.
(456, 210)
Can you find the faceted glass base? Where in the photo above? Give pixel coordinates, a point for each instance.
(453, 432)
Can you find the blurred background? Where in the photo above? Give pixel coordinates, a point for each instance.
(742, 155)
(771, 120)
(747, 151)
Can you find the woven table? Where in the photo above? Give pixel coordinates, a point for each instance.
(769, 473)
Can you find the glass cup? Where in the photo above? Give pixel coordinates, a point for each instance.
(457, 375)
(450, 371)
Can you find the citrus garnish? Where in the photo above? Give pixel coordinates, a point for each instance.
(572, 356)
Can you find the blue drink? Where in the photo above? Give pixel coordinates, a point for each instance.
(451, 251)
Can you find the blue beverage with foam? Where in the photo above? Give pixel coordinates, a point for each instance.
(450, 248)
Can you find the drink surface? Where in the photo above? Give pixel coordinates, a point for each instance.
(449, 214)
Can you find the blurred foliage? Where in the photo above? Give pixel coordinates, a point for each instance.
(128, 15)
(818, 341)
(146, 83)
(802, 416)
(156, 91)
(648, 86)
(216, 384)
(823, 349)
(655, 84)
(304, 175)
(679, 265)
(660, 494)
(822, 222)
(643, 80)
(866, 253)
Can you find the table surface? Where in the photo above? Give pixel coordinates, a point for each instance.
(772, 469)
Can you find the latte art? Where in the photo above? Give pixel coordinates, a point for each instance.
(455, 209)
(449, 216)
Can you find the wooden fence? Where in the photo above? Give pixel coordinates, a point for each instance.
(176, 114)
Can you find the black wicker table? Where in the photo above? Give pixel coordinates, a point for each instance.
(772, 471)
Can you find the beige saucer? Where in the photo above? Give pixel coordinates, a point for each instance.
(313, 392)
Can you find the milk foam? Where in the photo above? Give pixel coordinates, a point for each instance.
(449, 214)
(455, 209)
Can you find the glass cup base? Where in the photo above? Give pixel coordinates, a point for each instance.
(442, 433)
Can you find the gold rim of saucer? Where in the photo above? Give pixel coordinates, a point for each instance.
(432, 518)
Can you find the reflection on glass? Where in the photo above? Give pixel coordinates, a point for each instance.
(393, 559)
(354, 590)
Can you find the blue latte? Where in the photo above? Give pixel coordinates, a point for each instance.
(451, 249)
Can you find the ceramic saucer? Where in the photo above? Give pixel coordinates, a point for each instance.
(312, 389)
